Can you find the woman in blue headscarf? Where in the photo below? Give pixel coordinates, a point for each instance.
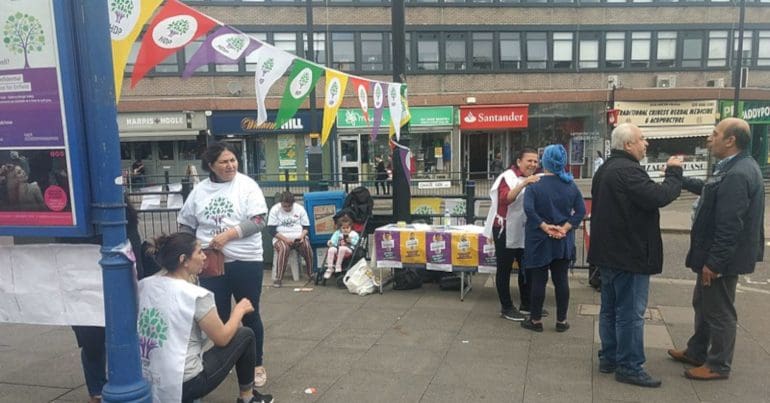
(554, 208)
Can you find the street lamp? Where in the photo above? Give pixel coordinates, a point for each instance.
(401, 190)
(737, 81)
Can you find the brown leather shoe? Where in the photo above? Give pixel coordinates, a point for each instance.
(704, 373)
(681, 356)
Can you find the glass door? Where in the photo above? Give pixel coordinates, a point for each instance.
(350, 158)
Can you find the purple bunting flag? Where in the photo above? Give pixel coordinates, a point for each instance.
(224, 46)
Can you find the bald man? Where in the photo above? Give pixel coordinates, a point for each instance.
(727, 239)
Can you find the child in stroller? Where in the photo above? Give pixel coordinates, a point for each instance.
(341, 245)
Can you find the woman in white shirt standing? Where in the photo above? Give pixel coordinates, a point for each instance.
(227, 212)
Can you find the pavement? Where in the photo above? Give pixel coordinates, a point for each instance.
(426, 345)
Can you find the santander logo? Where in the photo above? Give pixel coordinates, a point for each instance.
(469, 118)
(492, 117)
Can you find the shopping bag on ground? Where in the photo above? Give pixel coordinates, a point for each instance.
(360, 279)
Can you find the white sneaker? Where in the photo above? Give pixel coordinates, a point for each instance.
(328, 273)
(260, 377)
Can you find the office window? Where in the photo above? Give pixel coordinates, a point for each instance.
(510, 50)
(588, 50)
(343, 51)
(562, 50)
(717, 56)
(169, 65)
(482, 44)
(615, 50)
(640, 49)
(454, 51)
(537, 50)
(408, 46)
(132, 55)
(763, 53)
(746, 57)
(692, 49)
(190, 50)
(427, 51)
(666, 53)
(286, 41)
(319, 47)
(372, 51)
(251, 58)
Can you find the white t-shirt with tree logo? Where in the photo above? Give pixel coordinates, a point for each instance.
(288, 223)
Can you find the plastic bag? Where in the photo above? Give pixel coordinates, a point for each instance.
(360, 279)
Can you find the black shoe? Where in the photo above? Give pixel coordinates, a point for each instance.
(526, 311)
(512, 314)
(606, 367)
(530, 325)
(562, 327)
(258, 398)
(641, 379)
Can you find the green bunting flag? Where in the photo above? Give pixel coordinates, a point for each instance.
(303, 77)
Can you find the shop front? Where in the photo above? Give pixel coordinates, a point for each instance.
(432, 139)
(163, 141)
(269, 153)
(673, 128)
(757, 114)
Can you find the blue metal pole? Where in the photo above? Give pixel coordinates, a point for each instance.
(120, 305)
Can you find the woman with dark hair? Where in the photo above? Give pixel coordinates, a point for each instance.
(175, 319)
(226, 212)
(289, 225)
(554, 208)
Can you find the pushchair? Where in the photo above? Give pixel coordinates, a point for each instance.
(358, 205)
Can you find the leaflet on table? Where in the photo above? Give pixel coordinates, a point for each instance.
(388, 248)
(465, 249)
(439, 255)
(413, 247)
(487, 257)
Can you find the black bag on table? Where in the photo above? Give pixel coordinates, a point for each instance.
(406, 279)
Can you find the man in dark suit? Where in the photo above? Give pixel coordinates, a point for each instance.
(727, 239)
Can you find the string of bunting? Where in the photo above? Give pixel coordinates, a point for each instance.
(176, 25)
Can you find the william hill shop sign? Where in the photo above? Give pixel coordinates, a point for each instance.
(754, 112)
(676, 113)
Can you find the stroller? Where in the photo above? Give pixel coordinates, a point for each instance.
(358, 205)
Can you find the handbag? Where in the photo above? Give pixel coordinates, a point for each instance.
(215, 264)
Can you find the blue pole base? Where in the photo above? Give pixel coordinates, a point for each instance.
(138, 392)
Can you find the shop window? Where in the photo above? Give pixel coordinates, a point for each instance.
(763, 50)
(615, 50)
(482, 43)
(562, 50)
(588, 50)
(191, 49)
(143, 150)
(251, 58)
(537, 50)
(125, 151)
(454, 51)
(692, 49)
(166, 150)
(746, 56)
(717, 56)
(343, 51)
(427, 51)
(319, 47)
(510, 50)
(372, 58)
(666, 52)
(190, 150)
(286, 42)
(640, 49)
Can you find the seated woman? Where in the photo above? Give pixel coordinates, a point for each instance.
(175, 318)
(289, 225)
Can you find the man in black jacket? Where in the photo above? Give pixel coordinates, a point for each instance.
(727, 239)
(627, 247)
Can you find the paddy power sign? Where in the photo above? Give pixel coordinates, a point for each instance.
(754, 112)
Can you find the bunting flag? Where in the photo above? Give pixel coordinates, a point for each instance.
(394, 105)
(271, 64)
(127, 17)
(173, 28)
(406, 115)
(404, 158)
(224, 46)
(335, 91)
(303, 78)
(362, 88)
(378, 97)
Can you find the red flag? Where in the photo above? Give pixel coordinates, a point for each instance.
(362, 89)
(173, 28)
(612, 117)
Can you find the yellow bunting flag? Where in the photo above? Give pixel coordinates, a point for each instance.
(335, 91)
(127, 17)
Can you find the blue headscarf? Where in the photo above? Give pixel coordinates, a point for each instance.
(555, 160)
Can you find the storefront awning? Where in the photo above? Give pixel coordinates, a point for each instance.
(159, 136)
(674, 132)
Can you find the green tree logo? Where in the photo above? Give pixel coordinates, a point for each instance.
(178, 27)
(121, 9)
(302, 82)
(153, 331)
(235, 43)
(266, 68)
(218, 208)
(23, 33)
(334, 90)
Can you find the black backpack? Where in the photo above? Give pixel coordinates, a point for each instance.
(406, 279)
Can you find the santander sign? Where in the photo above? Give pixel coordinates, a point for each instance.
(493, 117)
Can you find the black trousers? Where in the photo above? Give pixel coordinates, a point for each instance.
(505, 259)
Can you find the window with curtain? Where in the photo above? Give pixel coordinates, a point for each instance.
(372, 56)
(319, 47)
(717, 56)
(343, 51)
(251, 58)
(615, 50)
(763, 50)
(510, 50)
(482, 43)
(666, 52)
(588, 50)
(454, 51)
(537, 50)
(692, 49)
(427, 50)
(640, 49)
(562, 50)
(747, 41)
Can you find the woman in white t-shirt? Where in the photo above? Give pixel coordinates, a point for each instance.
(289, 225)
(175, 319)
(227, 212)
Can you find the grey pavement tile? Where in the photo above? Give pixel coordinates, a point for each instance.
(353, 338)
(292, 386)
(10, 393)
(396, 299)
(485, 371)
(326, 359)
(671, 292)
(415, 336)
(433, 319)
(447, 299)
(400, 360)
(281, 354)
(677, 314)
(554, 379)
(471, 392)
(655, 336)
(374, 386)
(79, 394)
(44, 369)
(490, 324)
(379, 318)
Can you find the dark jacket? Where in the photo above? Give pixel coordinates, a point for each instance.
(728, 233)
(625, 221)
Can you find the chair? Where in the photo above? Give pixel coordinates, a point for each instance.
(293, 262)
